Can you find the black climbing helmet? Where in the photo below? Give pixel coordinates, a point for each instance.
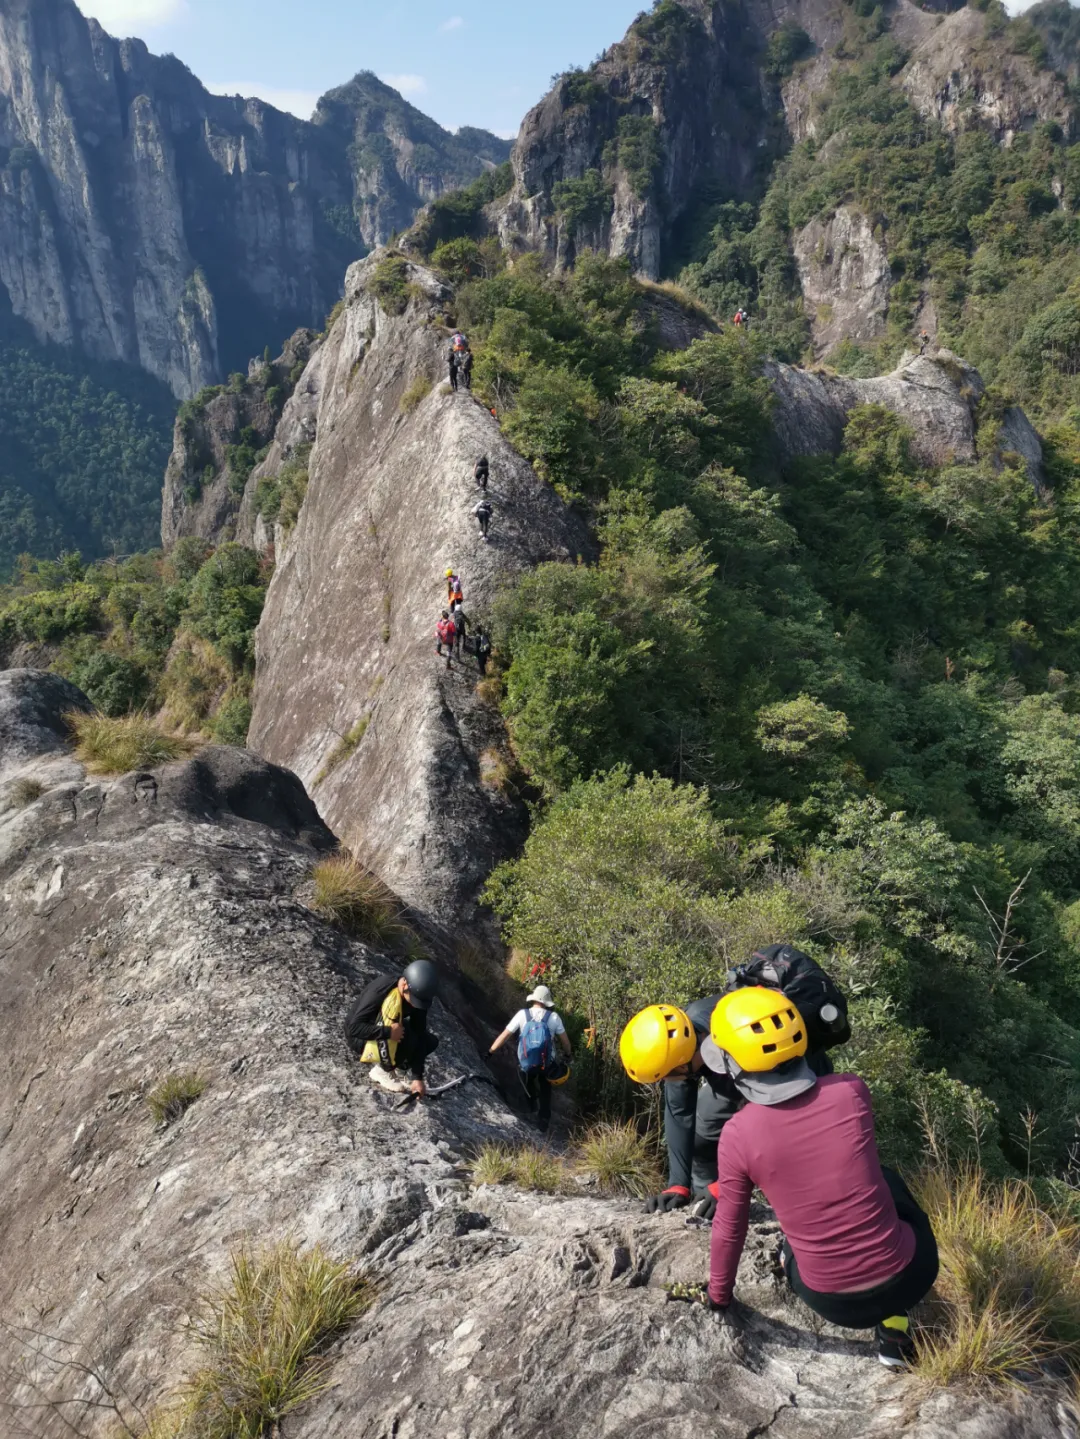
(423, 980)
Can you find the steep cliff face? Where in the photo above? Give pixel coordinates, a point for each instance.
(218, 439)
(398, 752)
(143, 219)
(613, 156)
(151, 926)
(845, 277)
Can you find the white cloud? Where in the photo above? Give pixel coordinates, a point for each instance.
(125, 17)
(405, 84)
(295, 102)
(455, 23)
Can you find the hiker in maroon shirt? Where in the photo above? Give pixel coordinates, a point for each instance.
(857, 1249)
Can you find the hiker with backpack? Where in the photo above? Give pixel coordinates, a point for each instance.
(465, 364)
(461, 624)
(455, 595)
(538, 1026)
(387, 1027)
(663, 1043)
(483, 650)
(446, 634)
(482, 472)
(857, 1247)
(483, 513)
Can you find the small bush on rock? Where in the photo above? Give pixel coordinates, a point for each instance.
(528, 1168)
(622, 1160)
(415, 395)
(24, 792)
(175, 1095)
(118, 746)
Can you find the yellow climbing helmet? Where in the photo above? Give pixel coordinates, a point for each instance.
(449, 574)
(760, 1028)
(655, 1042)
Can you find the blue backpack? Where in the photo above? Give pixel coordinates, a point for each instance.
(536, 1047)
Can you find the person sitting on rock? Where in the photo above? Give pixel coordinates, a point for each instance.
(482, 472)
(538, 1026)
(446, 634)
(664, 1042)
(483, 513)
(455, 595)
(858, 1249)
(387, 1027)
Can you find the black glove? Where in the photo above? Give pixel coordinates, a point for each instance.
(705, 1204)
(722, 1315)
(677, 1197)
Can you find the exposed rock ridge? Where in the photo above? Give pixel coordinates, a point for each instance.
(150, 926)
(143, 219)
(347, 637)
(937, 395)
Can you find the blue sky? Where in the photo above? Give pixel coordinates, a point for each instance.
(464, 62)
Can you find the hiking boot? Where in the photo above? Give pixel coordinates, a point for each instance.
(895, 1346)
(385, 1079)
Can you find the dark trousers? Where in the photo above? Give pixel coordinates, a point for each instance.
(453, 374)
(897, 1295)
(485, 520)
(538, 1089)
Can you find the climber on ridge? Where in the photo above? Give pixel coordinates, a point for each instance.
(387, 1027)
(483, 650)
(446, 634)
(483, 514)
(465, 364)
(455, 596)
(482, 472)
(858, 1249)
(538, 1026)
(664, 1043)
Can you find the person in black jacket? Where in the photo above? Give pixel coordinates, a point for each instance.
(664, 1043)
(482, 471)
(387, 1027)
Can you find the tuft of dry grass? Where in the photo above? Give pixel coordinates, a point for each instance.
(264, 1333)
(489, 691)
(623, 1161)
(195, 683)
(528, 1168)
(415, 395)
(1009, 1287)
(358, 902)
(118, 746)
(345, 748)
(495, 773)
(175, 1095)
(25, 792)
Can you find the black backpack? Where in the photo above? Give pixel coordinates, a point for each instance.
(806, 984)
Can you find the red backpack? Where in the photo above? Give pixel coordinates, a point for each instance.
(447, 631)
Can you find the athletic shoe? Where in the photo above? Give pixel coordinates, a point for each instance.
(384, 1079)
(895, 1346)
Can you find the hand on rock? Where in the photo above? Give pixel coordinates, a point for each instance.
(705, 1206)
(674, 1198)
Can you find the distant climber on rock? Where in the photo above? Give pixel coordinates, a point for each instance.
(465, 364)
(858, 1249)
(483, 650)
(482, 472)
(663, 1043)
(455, 595)
(446, 634)
(924, 340)
(452, 360)
(461, 625)
(538, 1027)
(483, 513)
(387, 1027)
(739, 318)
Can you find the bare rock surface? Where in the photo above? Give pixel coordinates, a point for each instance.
(347, 638)
(936, 395)
(845, 277)
(962, 78)
(150, 927)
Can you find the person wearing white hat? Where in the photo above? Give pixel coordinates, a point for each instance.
(538, 1027)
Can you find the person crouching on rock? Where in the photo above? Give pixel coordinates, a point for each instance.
(664, 1043)
(858, 1249)
(537, 1027)
(387, 1027)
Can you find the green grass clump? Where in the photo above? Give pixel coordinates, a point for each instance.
(264, 1333)
(24, 792)
(353, 898)
(417, 392)
(622, 1160)
(175, 1095)
(1009, 1287)
(118, 746)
